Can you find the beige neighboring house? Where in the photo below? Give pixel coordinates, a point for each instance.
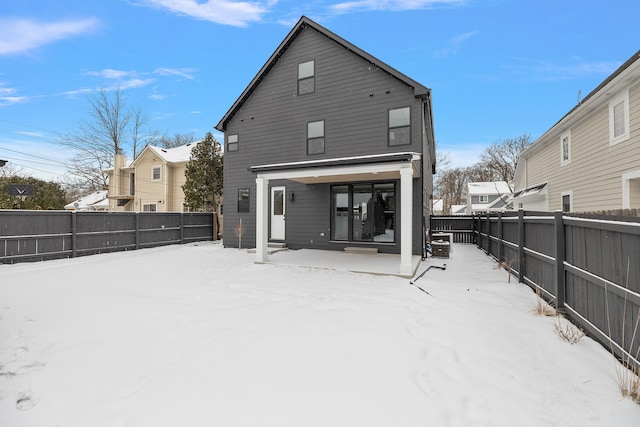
(590, 159)
(152, 182)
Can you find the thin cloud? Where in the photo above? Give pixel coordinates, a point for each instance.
(391, 5)
(182, 72)
(454, 45)
(22, 35)
(8, 97)
(553, 71)
(225, 12)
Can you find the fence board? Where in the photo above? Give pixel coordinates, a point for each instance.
(588, 265)
(43, 235)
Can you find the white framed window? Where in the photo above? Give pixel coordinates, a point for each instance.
(619, 118)
(566, 201)
(306, 77)
(232, 143)
(315, 137)
(149, 207)
(565, 148)
(155, 173)
(484, 198)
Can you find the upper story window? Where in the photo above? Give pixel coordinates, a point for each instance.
(400, 126)
(306, 77)
(565, 148)
(484, 198)
(155, 173)
(619, 118)
(315, 137)
(232, 142)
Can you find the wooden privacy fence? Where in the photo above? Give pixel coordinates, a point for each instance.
(462, 227)
(44, 235)
(589, 267)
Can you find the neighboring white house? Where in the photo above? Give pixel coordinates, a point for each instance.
(590, 159)
(95, 202)
(488, 197)
(438, 207)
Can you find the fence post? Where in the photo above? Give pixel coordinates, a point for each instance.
(74, 234)
(137, 233)
(521, 246)
(499, 236)
(181, 228)
(560, 257)
(477, 224)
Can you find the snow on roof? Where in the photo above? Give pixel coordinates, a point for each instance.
(497, 187)
(93, 200)
(175, 155)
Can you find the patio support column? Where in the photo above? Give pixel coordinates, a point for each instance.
(406, 220)
(262, 218)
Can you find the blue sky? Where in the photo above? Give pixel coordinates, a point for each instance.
(498, 68)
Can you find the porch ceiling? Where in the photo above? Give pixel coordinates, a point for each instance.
(371, 176)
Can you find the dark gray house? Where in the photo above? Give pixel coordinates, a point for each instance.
(328, 148)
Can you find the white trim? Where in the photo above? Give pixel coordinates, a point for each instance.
(566, 134)
(622, 96)
(626, 187)
(406, 220)
(262, 218)
(336, 170)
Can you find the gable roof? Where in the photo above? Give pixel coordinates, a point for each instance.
(304, 22)
(93, 200)
(481, 188)
(181, 154)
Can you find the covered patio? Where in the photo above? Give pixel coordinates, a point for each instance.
(402, 166)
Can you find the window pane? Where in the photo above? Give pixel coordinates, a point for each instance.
(399, 136)
(306, 69)
(566, 203)
(278, 202)
(156, 173)
(243, 200)
(340, 208)
(232, 146)
(399, 117)
(315, 129)
(384, 212)
(618, 120)
(362, 212)
(306, 86)
(232, 138)
(315, 146)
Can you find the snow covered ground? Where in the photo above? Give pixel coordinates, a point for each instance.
(198, 335)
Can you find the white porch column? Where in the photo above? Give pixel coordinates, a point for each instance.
(406, 220)
(262, 218)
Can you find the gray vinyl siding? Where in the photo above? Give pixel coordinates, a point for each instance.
(352, 97)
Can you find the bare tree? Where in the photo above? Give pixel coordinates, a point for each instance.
(501, 157)
(97, 140)
(452, 185)
(138, 120)
(176, 140)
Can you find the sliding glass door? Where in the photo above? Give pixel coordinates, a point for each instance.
(363, 212)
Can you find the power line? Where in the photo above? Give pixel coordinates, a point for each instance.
(30, 155)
